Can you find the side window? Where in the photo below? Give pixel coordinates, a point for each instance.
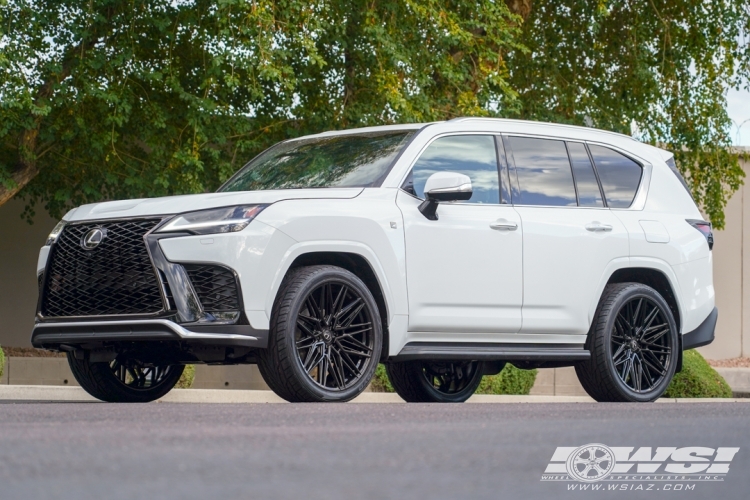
(619, 174)
(543, 170)
(583, 171)
(472, 155)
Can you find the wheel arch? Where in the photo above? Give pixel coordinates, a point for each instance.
(659, 281)
(358, 265)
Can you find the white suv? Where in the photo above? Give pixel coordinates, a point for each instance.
(443, 250)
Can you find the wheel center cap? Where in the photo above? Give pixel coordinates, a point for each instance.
(634, 345)
(327, 335)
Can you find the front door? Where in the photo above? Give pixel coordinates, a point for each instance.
(464, 270)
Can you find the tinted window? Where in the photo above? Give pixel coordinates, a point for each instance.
(543, 169)
(472, 155)
(583, 171)
(619, 174)
(352, 160)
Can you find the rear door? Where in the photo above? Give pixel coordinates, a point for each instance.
(464, 270)
(570, 236)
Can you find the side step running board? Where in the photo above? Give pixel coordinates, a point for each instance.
(499, 352)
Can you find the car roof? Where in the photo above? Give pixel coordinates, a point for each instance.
(543, 127)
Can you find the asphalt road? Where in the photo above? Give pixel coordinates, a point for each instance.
(378, 451)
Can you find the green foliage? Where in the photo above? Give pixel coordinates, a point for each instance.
(380, 382)
(511, 380)
(187, 378)
(661, 66)
(2, 361)
(697, 380)
(130, 98)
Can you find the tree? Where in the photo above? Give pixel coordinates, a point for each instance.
(113, 98)
(126, 98)
(661, 66)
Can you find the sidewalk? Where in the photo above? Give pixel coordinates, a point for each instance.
(45, 393)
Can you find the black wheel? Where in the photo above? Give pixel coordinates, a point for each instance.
(435, 381)
(633, 343)
(125, 380)
(325, 337)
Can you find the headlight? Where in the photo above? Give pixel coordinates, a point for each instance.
(55, 232)
(215, 220)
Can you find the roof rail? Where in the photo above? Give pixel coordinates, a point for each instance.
(565, 125)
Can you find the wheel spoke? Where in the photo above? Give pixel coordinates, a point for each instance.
(634, 320)
(655, 336)
(314, 356)
(304, 325)
(349, 312)
(654, 362)
(338, 370)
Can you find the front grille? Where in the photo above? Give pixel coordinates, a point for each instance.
(215, 286)
(114, 278)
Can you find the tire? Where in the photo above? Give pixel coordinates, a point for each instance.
(633, 354)
(423, 381)
(316, 353)
(124, 380)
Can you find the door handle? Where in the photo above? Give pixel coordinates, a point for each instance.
(598, 227)
(504, 225)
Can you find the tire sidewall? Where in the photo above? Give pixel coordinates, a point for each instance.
(288, 336)
(625, 296)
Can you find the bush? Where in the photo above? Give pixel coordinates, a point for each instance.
(380, 382)
(697, 380)
(187, 377)
(511, 380)
(2, 361)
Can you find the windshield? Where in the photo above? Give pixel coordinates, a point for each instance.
(352, 160)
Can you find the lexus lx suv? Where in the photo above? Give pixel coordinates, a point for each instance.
(443, 250)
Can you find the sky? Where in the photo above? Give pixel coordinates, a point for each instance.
(738, 106)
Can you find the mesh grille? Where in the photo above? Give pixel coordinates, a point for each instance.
(116, 277)
(215, 286)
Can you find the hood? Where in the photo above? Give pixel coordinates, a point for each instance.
(187, 203)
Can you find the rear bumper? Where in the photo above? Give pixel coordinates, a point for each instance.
(93, 333)
(704, 334)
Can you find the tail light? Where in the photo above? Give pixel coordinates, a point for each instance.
(705, 229)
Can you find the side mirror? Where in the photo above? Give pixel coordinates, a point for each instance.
(444, 186)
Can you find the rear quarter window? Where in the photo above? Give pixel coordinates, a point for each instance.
(620, 176)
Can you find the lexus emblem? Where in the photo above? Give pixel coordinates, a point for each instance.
(93, 238)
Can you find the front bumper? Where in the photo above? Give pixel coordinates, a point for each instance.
(92, 334)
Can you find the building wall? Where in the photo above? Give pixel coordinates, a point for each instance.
(19, 249)
(20, 242)
(731, 253)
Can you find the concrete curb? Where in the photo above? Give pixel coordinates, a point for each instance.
(44, 393)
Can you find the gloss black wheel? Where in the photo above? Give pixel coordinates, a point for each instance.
(640, 343)
(325, 337)
(435, 381)
(125, 380)
(139, 376)
(335, 336)
(633, 344)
